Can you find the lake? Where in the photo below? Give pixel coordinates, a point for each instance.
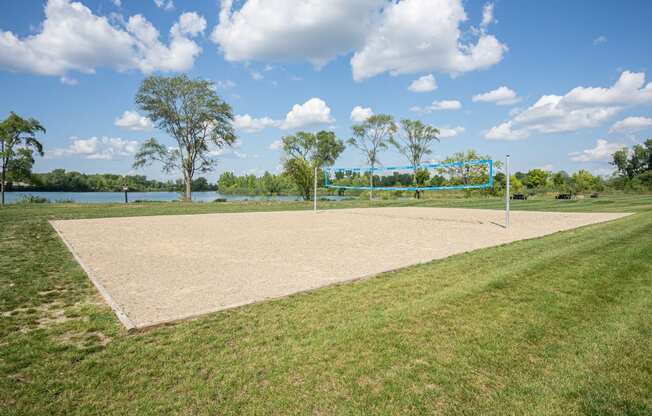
(112, 197)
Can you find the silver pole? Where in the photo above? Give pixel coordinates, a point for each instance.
(507, 193)
(314, 204)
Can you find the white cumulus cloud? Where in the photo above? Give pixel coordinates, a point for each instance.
(132, 120)
(105, 148)
(501, 96)
(449, 132)
(438, 106)
(487, 15)
(425, 83)
(360, 114)
(251, 124)
(164, 4)
(72, 38)
(601, 152)
(505, 131)
(314, 111)
(423, 35)
(580, 108)
(631, 125)
(409, 36)
(293, 30)
(276, 145)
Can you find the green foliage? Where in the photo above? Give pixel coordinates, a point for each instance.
(634, 165)
(60, 180)
(372, 136)
(268, 184)
(583, 181)
(304, 152)
(18, 143)
(190, 112)
(302, 174)
(413, 140)
(535, 178)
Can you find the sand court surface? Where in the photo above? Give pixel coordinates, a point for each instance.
(158, 269)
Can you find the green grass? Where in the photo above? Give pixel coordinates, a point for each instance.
(556, 325)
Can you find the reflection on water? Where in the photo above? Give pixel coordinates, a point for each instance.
(109, 197)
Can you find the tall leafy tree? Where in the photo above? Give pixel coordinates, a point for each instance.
(18, 142)
(192, 114)
(371, 137)
(304, 151)
(413, 141)
(630, 163)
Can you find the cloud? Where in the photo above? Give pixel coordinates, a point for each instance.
(131, 120)
(505, 131)
(400, 37)
(164, 4)
(276, 145)
(68, 81)
(72, 38)
(500, 96)
(313, 112)
(487, 15)
(293, 30)
(580, 108)
(425, 83)
(117, 3)
(251, 124)
(601, 152)
(438, 106)
(631, 124)
(424, 35)
(360, 114)
(600, 40)
(224, 85)
(446, 133)
(105, 148)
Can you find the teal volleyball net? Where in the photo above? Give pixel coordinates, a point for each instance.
(470, 174)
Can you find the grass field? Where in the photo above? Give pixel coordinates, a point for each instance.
(556, 325)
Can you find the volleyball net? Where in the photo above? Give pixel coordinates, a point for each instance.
(469, 174)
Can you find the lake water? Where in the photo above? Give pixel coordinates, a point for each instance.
(112, 197)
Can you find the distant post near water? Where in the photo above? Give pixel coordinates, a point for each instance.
(125, 189)
(507, 192)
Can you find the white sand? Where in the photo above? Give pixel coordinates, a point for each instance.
(158, 269)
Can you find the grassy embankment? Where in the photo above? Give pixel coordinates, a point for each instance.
(556, 325)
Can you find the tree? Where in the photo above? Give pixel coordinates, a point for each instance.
(372, 136)
(635, 162)
(584, 181)
(18, 143)
(304, 151)
(535, 178)
(413, 141)
(192, 114)
(467, 174)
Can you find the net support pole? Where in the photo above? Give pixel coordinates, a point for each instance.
(507, 175)
(314, 200)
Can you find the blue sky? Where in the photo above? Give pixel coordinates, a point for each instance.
(556, 84)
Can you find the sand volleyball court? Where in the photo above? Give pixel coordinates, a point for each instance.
(158, 269)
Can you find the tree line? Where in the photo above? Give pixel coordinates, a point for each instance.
(60, 180)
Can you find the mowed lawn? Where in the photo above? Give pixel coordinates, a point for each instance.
(556, 325)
